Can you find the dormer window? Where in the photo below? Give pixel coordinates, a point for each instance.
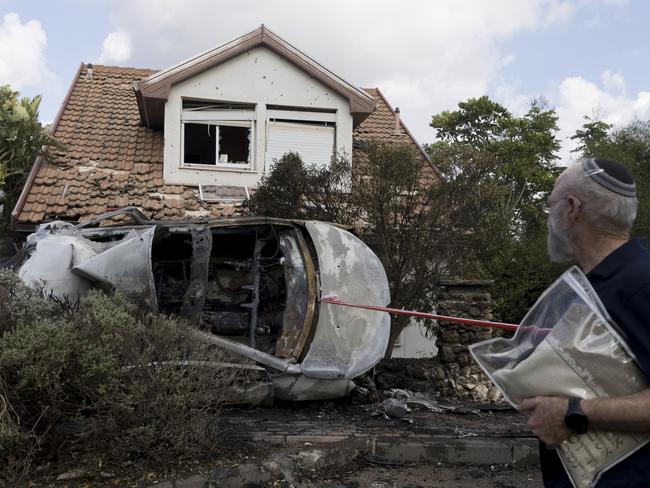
(217, 134)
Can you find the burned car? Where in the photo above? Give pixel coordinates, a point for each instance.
(251, 285)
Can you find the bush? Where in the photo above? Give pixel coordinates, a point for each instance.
(102, 377)
(19, 304)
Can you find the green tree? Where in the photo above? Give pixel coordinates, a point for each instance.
(391, 199)
(22, 139)
(593, 134)
(482, 219)
(499, 170)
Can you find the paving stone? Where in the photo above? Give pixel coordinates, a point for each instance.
(196, 481)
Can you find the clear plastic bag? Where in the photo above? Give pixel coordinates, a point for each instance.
(567, 345)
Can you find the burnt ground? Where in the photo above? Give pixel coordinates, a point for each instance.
(335, 426)
(340, 418)
(338, 445)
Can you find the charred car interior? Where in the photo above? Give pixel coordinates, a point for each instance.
(254, 281)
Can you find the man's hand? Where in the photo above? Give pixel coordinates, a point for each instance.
(547, 418)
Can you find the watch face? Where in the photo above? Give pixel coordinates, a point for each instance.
(577, 422)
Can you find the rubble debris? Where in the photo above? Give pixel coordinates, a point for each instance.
(73, 474)
(433, 379)
(365, 391)
(462, 434)
(399, 394)
(395, 408)
(310, 460)
(424, 404)
(256, 394)
(279, 471)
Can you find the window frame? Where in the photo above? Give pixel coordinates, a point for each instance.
(217, 118)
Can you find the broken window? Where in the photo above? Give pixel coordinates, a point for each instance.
(216, 143)
(200, 144)
(217, 134)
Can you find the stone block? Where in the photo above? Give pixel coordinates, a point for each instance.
(463, 358)
(416, 371)
(449, 335)
(485, 334)
(480, 393)
(447, 353)
(453, 370)
(439, 373)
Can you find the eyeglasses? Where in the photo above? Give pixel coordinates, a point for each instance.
(546, 209)
(590, 172)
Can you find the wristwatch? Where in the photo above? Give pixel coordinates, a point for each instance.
(575, 419)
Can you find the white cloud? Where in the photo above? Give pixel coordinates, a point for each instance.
(116, 48)
(425, 56)
(22, 53)
(613, 82)
(560, 12)
(578, 97)
(511, 96)
(616, 3)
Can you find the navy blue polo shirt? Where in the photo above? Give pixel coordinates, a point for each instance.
(622, 281)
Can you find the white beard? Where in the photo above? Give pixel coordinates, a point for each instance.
(560, 245)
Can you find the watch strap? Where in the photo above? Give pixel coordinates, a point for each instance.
(575, 419)
(574, 405)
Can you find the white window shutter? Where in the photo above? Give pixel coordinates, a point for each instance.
(314, 143)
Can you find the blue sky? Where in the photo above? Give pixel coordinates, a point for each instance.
(583, 56)
(604, 37)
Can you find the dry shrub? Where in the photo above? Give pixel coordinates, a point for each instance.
(101, 377)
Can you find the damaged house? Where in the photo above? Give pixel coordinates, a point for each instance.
(190, 140)
(183, 147)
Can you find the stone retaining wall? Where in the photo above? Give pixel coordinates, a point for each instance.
(452, 375)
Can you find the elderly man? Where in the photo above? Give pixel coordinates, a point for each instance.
(592, 209)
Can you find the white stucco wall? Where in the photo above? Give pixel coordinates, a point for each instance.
(414, 343)
(258, 76)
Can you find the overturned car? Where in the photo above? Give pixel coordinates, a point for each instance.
(251, 285)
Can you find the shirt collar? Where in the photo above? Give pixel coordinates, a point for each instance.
(615, 260)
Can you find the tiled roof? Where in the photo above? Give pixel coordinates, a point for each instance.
(112, 161)
(380, 125)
